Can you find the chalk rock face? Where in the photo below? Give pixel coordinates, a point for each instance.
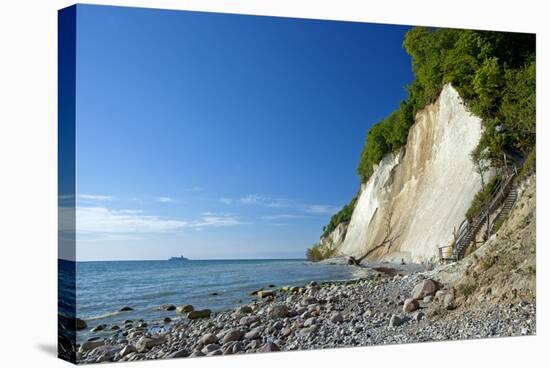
(421, 193)
(335, 239)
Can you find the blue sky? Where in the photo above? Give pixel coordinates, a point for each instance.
(222, 136)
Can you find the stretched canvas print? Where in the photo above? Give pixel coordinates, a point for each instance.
(234, 184)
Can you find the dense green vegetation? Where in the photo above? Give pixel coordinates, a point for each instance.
(483, 198)
(344, 215)
(529, 166)
(317, 253)
(493, 71)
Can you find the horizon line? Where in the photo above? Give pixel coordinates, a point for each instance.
(188, 259)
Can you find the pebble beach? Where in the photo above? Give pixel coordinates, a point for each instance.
(380, 308)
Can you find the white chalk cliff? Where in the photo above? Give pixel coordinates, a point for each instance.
(416, 197)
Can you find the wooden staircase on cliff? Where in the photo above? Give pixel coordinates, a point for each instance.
(502, 199)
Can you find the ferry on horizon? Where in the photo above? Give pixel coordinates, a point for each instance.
(180, 258)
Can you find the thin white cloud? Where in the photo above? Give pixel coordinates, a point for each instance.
(216, 220)
(251, 199)
(104, 220)
(165, 199)
(101, 220)
(270, 202)
(256, 199)
(132, 212)
(320, 209)
(277, 204)
(95, 197)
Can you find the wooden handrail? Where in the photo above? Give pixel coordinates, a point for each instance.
(468, 230)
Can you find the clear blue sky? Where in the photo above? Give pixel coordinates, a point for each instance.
(222, 136)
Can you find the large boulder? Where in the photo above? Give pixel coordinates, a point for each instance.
(134, 334)
(424, 288)
(266, 293)
(294, 289)
(278, 311)
(146, 343)
(269, 346)
(395, 321)
(185, 308)
(98, 328)
(168, 307)
(255, 292)
(449, 301)
(244, 309)
(445, 299)
(80, 324)
(90, 345)
(248, 320)
(127, 350)
(208, 339)
(253, 334)
(410, 305)
(286, 332)
(232, 335)
(202, 313)
(106, 353)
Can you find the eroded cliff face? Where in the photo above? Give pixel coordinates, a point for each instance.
(413, 201)
(335, 239)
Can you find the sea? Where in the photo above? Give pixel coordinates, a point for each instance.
(102, 288)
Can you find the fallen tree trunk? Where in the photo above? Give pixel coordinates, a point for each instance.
(388, 239)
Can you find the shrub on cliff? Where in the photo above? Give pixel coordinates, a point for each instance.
(530, 165)
(494, 72)
(344, 215)
(387, 136)
(482, 198)
(318, 253)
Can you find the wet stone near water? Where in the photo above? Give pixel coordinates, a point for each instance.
(354, 313)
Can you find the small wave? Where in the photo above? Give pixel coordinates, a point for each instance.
(159, 294)
(102, 316)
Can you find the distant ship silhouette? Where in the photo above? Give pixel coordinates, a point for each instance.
(180, 258)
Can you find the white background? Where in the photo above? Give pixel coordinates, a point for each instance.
(28, 216)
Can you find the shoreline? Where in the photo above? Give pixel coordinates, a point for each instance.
(220, 296)
(372, 310)
(365, 269)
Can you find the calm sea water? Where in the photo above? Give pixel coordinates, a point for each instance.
(102, 288)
